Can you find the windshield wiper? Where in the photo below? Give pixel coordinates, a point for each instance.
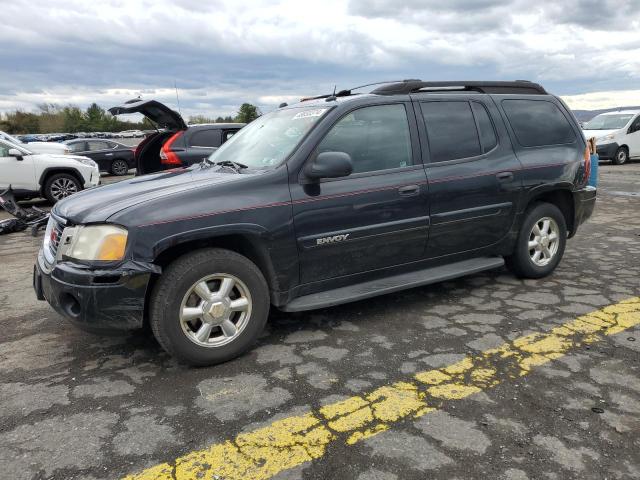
(228, 163)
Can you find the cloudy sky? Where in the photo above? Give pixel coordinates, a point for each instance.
(223, 53)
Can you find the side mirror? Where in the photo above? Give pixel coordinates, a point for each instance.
(14, 152)
(329, 165)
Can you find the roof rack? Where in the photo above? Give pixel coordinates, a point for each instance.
(523, 87)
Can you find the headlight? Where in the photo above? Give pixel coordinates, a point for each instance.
(94, 242)
(87, 161)
(607, 137)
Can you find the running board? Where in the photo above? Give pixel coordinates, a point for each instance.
(403, 281)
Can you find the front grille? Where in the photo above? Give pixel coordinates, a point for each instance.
(56, 235)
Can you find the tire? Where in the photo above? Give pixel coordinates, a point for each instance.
(523, 260)
(177, 312)
(61, 185)
(119, 167)
(621, 157)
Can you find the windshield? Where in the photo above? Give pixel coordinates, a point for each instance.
(267, 141)
(10, 138)
(608, 122)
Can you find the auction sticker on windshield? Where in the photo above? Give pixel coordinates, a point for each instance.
(310, 113)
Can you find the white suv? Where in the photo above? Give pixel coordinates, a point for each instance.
(617, 135)
(37, 147)
(52, 176)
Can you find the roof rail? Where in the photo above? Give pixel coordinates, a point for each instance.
(522, 87)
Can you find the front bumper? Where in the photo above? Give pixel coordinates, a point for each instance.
(584, 201)
(94, 179)
(94, 299)
(607, 151)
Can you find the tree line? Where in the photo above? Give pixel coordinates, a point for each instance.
(51, 118)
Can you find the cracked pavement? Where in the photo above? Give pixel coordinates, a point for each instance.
(73, 405)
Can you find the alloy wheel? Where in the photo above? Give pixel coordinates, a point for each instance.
(215, 310)
(544, 241)
(62, 188)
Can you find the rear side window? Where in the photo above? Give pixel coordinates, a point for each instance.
(206, 138)
(95, 146)
(376, 138)
(538, 123)
(485, 127)
(451, 130)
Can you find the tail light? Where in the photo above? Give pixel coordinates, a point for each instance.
(587, 163)
(167, 156)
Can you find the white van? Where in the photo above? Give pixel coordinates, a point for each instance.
(617, 135)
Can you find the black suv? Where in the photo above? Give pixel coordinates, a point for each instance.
(177, 144)
(334, 199)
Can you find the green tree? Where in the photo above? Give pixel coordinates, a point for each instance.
(200, 119)
(74, 120)
(247, 113)
(95, 117)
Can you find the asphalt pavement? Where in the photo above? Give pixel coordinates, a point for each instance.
(484, 377)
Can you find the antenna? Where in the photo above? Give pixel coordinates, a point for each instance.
(332, 97)
(175, 85)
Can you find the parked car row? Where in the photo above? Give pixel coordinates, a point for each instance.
(61, 137)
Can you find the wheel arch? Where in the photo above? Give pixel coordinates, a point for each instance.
(250, 241)
(562, 198)
(49, 171)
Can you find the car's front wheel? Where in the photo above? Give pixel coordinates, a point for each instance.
(61, 185)
(621, 156)
(541, 242)
(209, 306)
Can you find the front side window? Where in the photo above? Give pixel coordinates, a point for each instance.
(451, 130)
(267, 141)
(376, 138)
(4, 149)
(635, 126)
(538, 123)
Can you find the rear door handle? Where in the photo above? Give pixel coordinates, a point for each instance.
(505, 176)
(409, 190)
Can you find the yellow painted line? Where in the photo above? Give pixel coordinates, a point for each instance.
(289, 442)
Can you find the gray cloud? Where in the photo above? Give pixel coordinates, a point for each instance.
(224, 52)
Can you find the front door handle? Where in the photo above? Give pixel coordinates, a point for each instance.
(505, 176)
(409, 190)
(109, 154)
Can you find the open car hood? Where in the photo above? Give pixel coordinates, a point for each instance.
(155, 111)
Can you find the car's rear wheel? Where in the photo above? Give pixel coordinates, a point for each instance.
(61, 185)
(119, 167)
(541, 242)
(621, 156)
(209, 306)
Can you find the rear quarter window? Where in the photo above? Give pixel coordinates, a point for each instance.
(538, 123)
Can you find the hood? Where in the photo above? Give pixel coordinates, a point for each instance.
(59, 156)
(46, 147)
(155, 111)
(98, 204)
(597, 133)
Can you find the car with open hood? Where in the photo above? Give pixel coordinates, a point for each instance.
(331, 200)
(175, 144)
